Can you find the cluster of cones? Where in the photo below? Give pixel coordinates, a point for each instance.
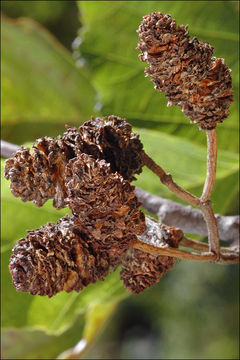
(86, 170)
(89, 169)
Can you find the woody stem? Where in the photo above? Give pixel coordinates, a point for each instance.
(167, 180)
(206, 207)
(227, 255)
(211, 164)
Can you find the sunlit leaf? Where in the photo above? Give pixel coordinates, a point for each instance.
(40, 82)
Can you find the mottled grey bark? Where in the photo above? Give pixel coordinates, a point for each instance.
(190, 220)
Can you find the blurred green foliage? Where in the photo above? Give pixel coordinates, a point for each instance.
(192, 312)
(60, 17)
(40, 83)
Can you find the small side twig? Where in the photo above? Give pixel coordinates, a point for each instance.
(167, 180)
(194, 244)
(180, 254)
(152, 242)
(230, 257)
(201, 246)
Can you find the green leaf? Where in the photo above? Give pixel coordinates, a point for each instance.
(14, 306)
(95, 320)
(58, 313)
(109, 48)
(36, 344)
(40, 82)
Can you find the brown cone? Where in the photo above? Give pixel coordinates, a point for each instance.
(110, 139)
(200, 85)
(103, 203)
(142, 270)
(56, 257)
(39, 175)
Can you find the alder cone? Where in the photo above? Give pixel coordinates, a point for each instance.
(198, 83)
(104, 204)
(56, 257)
(141, 270)
(39, 175)
(110, 139)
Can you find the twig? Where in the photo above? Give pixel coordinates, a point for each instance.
(190, 220)
(211, 164)
(201, 246)
(213, 237)
(226, 258)
(152, 241)
(180, 254)
(167, 180)
(8, 149)
(206, 207)
(194, 244)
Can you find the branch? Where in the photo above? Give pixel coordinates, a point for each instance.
(211, 222)
(201, 246)
(153, 242)
(190, 220)
(8, 149)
